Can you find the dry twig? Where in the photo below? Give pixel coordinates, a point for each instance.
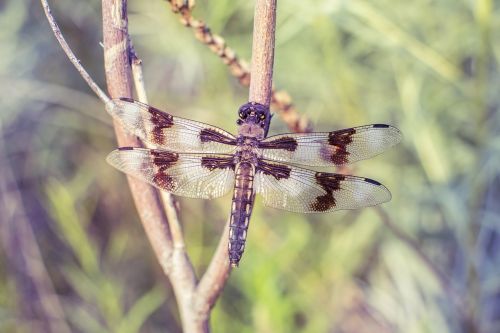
(280, 99)
(74, 60)
(263, 52)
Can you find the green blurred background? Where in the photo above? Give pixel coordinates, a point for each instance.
(74, 256)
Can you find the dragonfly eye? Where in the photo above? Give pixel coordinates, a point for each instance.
(262, 116)
(243, 115)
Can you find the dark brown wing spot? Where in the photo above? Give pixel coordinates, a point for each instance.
(330, 183)
(212, 162)
(339, 140)
(164, 181)
(208, 135)
(323, 203)
(161, 121)
(285, 143)
(278, 171)
(164, 160)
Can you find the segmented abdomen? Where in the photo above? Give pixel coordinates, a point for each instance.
(241, 209)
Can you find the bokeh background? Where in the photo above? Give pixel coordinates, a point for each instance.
(74, 255)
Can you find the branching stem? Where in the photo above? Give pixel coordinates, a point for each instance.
(123, 67)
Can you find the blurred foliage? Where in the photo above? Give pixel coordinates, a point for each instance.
(430, 67)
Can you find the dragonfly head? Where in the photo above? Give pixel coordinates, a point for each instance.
(253, 113)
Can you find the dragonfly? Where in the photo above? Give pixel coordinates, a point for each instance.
(197, 160)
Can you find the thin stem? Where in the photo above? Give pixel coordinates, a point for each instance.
(169, 202)
(262, 52)
(181, 271)
(137, 73)
(215, 277)
(74, 60)
(218, 271)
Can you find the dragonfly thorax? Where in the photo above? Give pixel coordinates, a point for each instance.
(247, 150)
(251, 130)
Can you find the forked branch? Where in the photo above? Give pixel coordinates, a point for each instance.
(195, 300)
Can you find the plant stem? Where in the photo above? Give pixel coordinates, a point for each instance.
(195, 301)
(119, 83)
(261, 76)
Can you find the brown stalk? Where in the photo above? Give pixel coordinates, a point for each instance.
(119, 82)
(172, 258)
(260, 91)
(264, 26)
(215, 277)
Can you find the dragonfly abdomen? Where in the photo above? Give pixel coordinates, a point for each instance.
(242, 204)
